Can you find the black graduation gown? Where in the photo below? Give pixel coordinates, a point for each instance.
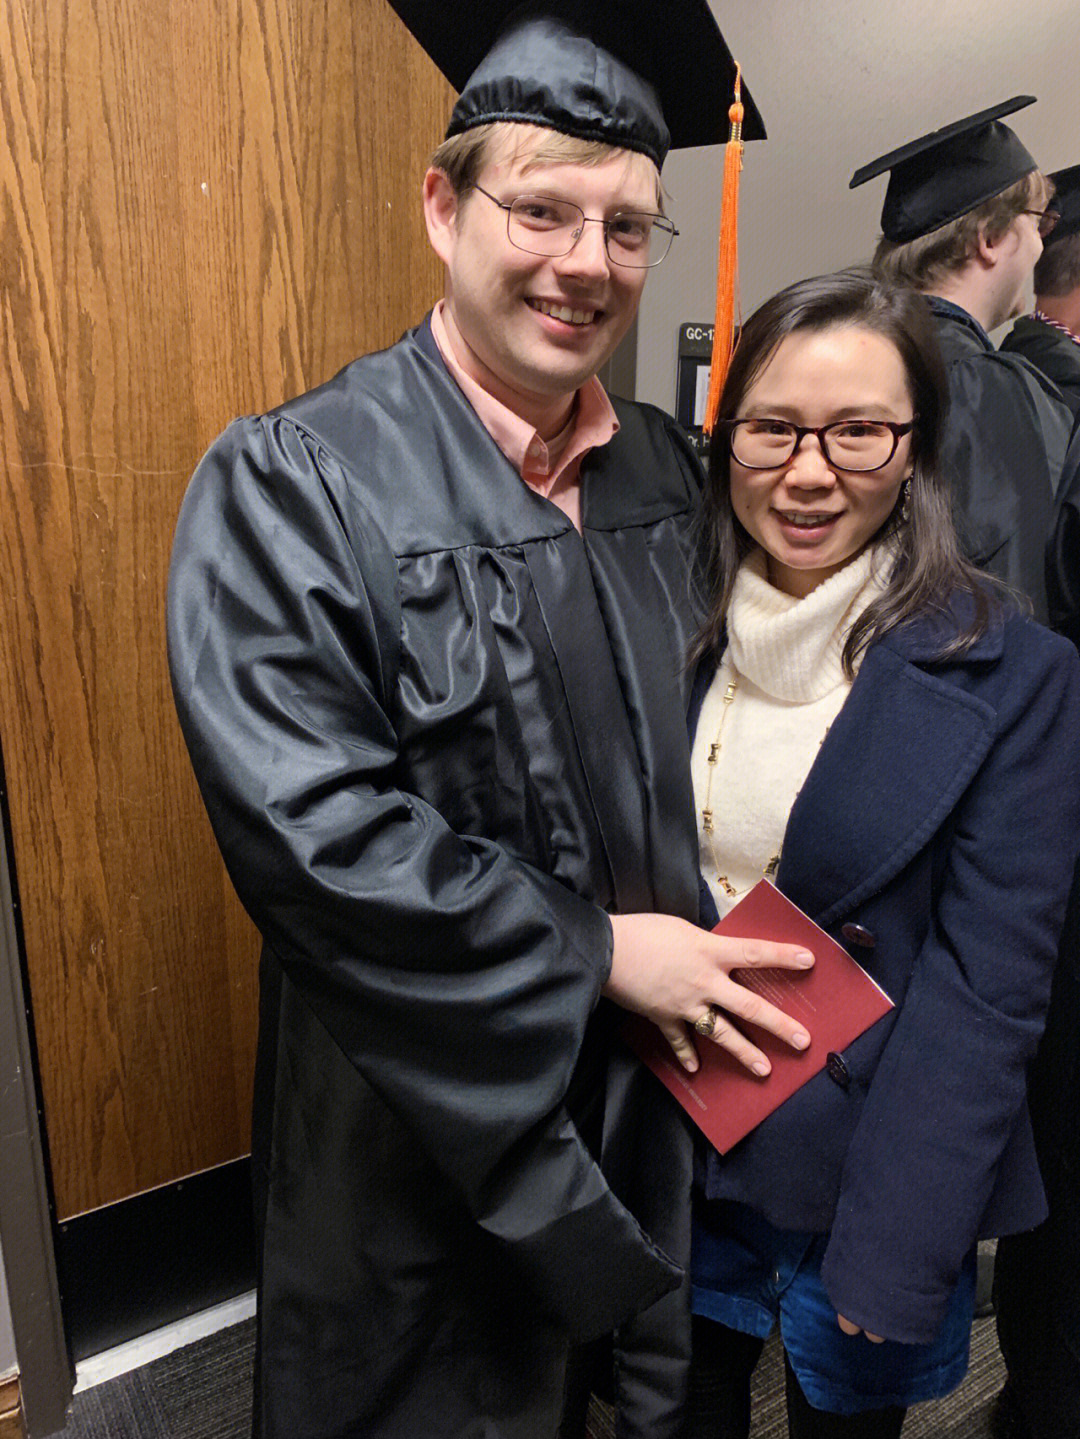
(1063, 551)
(438, 734)
(1004, 447)
(1037, 1275)
(1052, 352)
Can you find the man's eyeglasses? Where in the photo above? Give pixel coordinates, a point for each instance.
(540, 225)
(1047, 219)
(857, 446)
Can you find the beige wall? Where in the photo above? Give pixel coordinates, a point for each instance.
(838, 84)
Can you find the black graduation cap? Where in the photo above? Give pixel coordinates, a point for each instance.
(948, 172)
(1066, 202)
(629, 72)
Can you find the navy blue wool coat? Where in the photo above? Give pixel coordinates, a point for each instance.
(941, 817)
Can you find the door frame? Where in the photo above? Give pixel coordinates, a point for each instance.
(46, 1376)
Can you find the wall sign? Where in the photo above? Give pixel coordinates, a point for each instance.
(692, 381)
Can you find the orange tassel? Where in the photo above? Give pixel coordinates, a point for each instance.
(727, 261)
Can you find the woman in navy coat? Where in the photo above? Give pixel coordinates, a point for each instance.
(896, 745)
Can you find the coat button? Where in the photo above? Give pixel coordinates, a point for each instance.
(837, 1070)
(858, 934)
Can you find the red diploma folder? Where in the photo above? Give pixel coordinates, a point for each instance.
(835, 1002)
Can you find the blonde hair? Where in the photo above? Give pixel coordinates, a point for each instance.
(923, 263)
(462, 157)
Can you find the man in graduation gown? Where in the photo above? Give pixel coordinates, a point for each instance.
(1050, 336)
(961, 222)
(427, 629)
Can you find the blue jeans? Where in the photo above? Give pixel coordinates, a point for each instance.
(747, 1275)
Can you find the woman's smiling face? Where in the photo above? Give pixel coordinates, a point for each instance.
(808, 516)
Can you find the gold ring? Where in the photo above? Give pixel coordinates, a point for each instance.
(706, 1023)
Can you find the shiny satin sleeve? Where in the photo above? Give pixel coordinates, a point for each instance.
(455, 977)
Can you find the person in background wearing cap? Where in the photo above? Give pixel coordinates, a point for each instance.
(427, 628)
(1037, 1289)
(1050, 338)
(964, 212)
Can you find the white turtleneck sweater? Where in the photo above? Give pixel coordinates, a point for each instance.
(784, 655)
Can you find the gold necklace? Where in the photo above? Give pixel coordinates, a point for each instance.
(773, 863)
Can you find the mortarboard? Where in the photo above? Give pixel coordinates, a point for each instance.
(945, 174)
(1066, 202)
(627, 72)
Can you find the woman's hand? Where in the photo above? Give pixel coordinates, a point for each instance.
(675, 973)
(849, 1328)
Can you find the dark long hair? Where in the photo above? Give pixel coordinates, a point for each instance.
(929, 568)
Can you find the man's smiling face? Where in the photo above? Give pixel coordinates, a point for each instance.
(536, 327)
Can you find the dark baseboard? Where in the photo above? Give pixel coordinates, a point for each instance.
(134, 1266)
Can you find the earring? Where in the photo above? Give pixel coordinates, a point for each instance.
(905, 507)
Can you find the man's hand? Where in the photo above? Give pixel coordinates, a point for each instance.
(673, 973)
(849, 1328)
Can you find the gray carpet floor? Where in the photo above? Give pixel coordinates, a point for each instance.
(204, 1392)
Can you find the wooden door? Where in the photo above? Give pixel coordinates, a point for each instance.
(205, 206)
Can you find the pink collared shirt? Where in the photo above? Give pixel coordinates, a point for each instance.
(548, 472)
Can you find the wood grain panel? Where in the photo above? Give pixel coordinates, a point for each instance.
(11, 1415)
(11, 1424)
(204, 208)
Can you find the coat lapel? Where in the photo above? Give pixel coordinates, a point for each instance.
(618, 608)
(563, 586)
(649, 627)
(900, 753)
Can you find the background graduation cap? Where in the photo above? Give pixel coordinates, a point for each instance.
(945, 174)
(627, 72)
(1066, 202)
